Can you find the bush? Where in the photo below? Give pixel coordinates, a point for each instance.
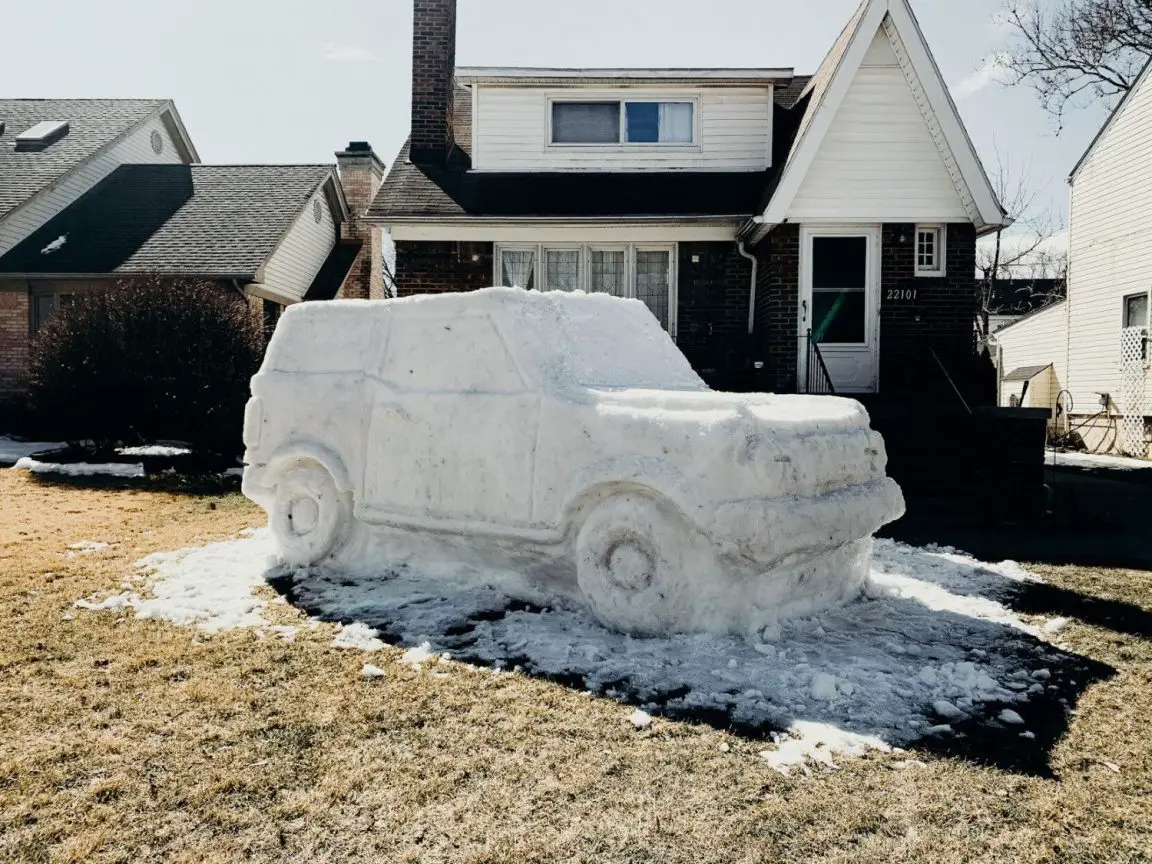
(146, 361)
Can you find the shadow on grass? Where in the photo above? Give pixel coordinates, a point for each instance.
(894, 659)
(203, 485)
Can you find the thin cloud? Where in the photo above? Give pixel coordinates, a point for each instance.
(991, 72)
(335, 52)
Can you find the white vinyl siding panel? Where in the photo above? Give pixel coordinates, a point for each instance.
(879, 160)
(1110, 252)
(1035, 341)
(510, 132)
(135, 148)
(295, 263)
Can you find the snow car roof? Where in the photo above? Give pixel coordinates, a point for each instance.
(496, 340)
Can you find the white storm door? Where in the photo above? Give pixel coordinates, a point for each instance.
(840, 304)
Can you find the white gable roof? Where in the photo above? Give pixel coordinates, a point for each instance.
(1140, 82)
(860, 44)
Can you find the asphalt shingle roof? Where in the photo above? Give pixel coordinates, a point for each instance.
(93, 124)
(189, 220)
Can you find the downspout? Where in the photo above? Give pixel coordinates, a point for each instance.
(752, 288)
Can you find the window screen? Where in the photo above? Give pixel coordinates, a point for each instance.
(1136, 310)
(562, 269)
(518, 268)
(585, 122)
(607, 272)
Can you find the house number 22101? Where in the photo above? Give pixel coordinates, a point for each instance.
(902, 294)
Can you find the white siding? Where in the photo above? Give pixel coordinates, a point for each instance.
(879, 160)
(301, 254)
(1110, 252)
(135, 148)
(510, 132)
(1035, 341)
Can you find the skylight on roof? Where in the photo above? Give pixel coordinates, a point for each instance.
(43, 132)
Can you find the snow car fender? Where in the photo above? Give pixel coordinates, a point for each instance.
(654, 477)
(258, 484)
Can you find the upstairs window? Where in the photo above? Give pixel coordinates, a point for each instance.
(585, 122)
(624, 122)
(930, 250)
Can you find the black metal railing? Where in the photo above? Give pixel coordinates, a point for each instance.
(817, 381)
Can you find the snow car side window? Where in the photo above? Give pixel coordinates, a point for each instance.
(451, 355)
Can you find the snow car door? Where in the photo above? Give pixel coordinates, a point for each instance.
(453, 432)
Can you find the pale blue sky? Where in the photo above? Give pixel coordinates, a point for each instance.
(292, 81)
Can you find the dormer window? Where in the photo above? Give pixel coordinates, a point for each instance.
(649, 122)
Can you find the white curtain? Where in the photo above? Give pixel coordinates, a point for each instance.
(518, 266)
(675, 122)
(607, 272)
(562, 269)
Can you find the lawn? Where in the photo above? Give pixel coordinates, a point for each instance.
(125, 739)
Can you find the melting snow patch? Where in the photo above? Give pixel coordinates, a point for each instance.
(370, 671)
(1011, 717)
(640, 719)
(210, 586)
(80, 469)
(929, 644)
(358, 637)
(12, 450)
(154, 450)
(1056, 625)
(56, 244)
(419, 655)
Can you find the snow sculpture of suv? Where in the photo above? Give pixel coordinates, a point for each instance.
(562, 438)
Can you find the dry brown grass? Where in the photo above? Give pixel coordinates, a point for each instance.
(130, 740)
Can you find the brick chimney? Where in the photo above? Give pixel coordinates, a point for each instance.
(361, 174)
(433, 79)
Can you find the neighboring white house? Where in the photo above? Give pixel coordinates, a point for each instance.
(1096, 342)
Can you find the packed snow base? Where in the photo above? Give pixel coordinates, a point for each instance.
(929, 646)
(562, 437)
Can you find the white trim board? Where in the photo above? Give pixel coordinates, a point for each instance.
(896, 19)
(550, 232)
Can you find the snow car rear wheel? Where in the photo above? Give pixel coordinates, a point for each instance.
(310, 515)
(629, 564)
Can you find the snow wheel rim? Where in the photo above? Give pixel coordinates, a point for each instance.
(309, 513)
(629, 564)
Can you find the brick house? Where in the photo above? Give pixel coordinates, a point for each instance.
(99, 191)
(793, 233)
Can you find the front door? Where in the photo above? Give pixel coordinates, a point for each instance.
(839, 305)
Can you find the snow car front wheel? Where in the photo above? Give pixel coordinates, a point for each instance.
(310, 514)
(629, 564)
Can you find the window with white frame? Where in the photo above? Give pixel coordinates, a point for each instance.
(930, 240)
(645, 272)
(624, 121)
(1136, 310)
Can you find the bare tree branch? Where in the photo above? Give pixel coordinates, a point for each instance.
(1066, 48)
(1022, 255)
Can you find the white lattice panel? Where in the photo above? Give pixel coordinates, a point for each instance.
(1133, 378)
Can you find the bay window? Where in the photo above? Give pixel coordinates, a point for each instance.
(642, 271)
(624, 121)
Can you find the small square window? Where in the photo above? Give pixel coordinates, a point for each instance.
(929, 250)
